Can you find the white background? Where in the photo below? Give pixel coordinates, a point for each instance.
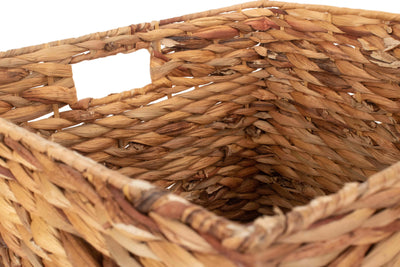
(25, 23)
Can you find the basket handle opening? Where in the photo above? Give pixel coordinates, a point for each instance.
(105, 76)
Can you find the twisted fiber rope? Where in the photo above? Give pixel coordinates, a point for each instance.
(132, 29)
(321, 111)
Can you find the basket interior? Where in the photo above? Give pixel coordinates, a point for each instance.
(248, 110)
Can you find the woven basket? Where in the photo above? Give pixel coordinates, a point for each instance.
(261, 141)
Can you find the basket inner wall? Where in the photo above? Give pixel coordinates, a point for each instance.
(260, 108)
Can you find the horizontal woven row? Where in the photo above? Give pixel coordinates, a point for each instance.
(255, 114)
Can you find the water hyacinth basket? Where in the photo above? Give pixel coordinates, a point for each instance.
(269, 136)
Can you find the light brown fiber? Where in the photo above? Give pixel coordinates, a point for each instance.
(268, 137)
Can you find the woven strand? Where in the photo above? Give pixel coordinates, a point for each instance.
(268, 137)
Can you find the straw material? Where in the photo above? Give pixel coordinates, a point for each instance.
(268, 137)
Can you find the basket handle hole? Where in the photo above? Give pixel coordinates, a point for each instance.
(114, 74)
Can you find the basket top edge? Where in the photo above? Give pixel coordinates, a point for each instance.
(246, 5)
(286, 5)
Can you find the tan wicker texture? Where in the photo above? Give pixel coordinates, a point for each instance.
(261, 141)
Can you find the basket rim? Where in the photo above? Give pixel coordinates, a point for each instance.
(247, 5)
(281, 4)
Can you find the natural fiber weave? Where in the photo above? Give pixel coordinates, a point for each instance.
(261, 141)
